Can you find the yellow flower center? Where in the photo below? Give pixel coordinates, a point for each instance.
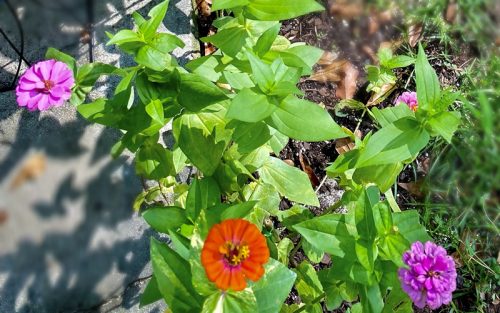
(48, 84)
(234, 254)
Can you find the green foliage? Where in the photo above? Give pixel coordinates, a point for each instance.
(229, 112)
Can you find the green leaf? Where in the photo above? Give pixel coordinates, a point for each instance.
(308, 285)
(125, 36)
(166, 43)
(155, 111)
(173, 276)
(266, 195)
(238, 80)
(203, 193)
(273, 288)
(151, 294)
(239, 210)
(397, 302)
(328, 233)
(408, 225)
(336, 291)
(278, 141)
(180, 244)
(314, 254)
(154, 59)
(205, 67)
(285, 246)
(197, 92)
(265, 42)
(444, 124)
(229, 40)
(250, 136)
(384, 176)
(163, 219)
(228, 302)
(262, 72)
(308, 54)
(382, 218)
(391, 114)
(156, 14)
(289, 181)
(371, 299)
(366, 253)
(294, 215)
(303, 120)
(428, 87)
(249, 106)
(276, 10)
(89, 73)
(227, 4)
(63, 57)
(398, 61)
(202, 150)
(154, 162)
(397, 142)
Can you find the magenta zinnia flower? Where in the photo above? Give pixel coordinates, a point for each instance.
(431, 276)
(410, 98)
(44, 85)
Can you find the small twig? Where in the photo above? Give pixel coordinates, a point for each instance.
(321, 184)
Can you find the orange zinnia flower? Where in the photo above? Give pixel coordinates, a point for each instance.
(234, 250)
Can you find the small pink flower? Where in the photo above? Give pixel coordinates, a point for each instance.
(410, 98)
(44, 85)
(430, 276)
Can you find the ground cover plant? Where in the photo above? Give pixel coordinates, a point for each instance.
(232, 246)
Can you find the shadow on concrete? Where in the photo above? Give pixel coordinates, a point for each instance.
(63, 270)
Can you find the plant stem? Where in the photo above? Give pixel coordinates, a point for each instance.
(316, 300)
(392, 201)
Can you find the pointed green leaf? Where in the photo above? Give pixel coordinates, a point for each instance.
(289, 181)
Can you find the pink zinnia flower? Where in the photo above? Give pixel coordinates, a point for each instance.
(410, 98)
(431, 276)
(44, 85)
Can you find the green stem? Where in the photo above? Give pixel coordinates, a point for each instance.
(316, 300)
(392, 201)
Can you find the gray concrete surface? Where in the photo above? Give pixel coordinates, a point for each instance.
(69, 240)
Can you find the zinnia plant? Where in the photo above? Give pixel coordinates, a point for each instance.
(231, 136)
(431, 276)
(234, 250)
(45, 85)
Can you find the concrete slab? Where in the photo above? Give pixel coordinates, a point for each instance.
(69, 241)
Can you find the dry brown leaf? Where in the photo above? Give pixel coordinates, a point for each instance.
(373, 25)
(415, 33)
(346, 9)
(385, 91)
(346, 88)
(3, 217)
(204, 7)
(308, 170)
(344, 145)
(458, 261)
(289, 162)
(327, 58)
(326, 259)
(451, 12)
(332, 72)
(369, 51)
(414, 188)
(31, 169)
(424, 166)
